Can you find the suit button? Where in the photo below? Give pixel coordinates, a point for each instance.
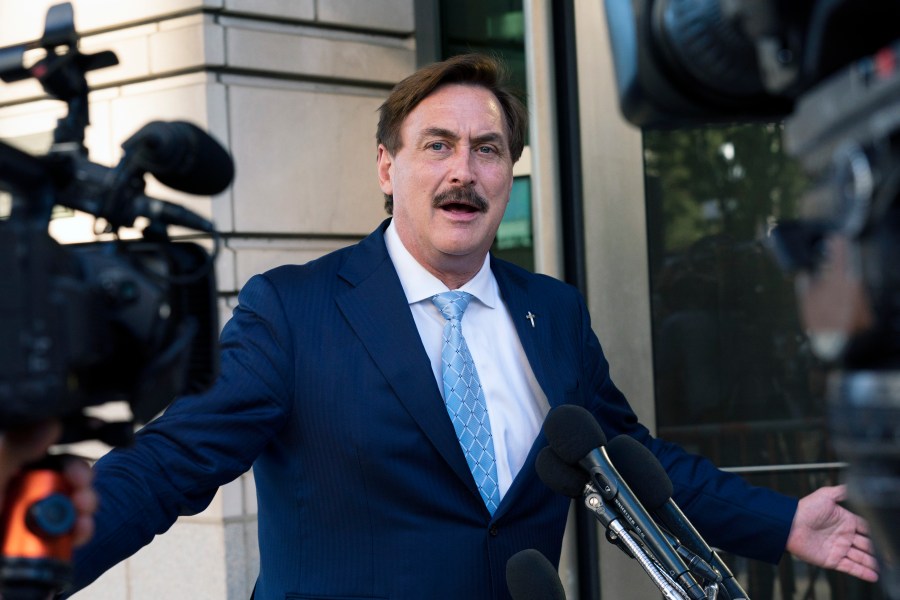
(493, 530)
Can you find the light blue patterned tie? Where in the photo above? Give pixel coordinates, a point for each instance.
(465, 398)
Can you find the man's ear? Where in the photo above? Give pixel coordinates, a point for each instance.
(385, 170)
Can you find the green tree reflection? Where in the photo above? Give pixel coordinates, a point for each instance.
(735, 180)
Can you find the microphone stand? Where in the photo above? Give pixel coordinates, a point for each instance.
(670, 589)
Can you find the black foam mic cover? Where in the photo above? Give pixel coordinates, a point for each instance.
(181, 156)
(530, 576)
(573, 432)
(558, 475)
(641, 469)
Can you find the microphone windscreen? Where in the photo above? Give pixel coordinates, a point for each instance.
(558, 475)
(182, 156)
(641, 470)
(530, 576)
(573, 432)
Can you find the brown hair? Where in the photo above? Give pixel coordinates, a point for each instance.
(468, 69)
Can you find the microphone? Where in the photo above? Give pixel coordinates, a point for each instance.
(558, 475)
(573, 482)
(655, 487)
(530, 576)
(568, 480)
(577, 438)
(650, 483)
(181, 156)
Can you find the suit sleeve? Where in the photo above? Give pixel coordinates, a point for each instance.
(201, 442)
(730, 513)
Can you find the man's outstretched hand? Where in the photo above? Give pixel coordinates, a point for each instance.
(826, 534)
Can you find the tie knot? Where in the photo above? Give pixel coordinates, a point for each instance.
(452, 304)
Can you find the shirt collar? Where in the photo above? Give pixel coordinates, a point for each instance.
(418, 284)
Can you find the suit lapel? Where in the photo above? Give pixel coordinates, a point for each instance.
(532, 316)
(390, 336)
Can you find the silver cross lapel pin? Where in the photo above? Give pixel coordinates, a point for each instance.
(530, 316)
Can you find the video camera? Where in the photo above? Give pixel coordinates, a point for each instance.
(829, 69)
(123, 320)
(86, 324)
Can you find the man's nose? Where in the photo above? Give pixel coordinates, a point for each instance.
(462, 168)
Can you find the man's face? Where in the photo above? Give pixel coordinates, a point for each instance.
(451, 178)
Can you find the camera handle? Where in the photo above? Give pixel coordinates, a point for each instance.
(37, 524)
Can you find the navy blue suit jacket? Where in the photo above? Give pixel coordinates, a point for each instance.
(363, 492)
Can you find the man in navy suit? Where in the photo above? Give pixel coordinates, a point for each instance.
(331, 389)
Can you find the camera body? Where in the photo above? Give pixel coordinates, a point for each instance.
(695, 62)
(86, 324)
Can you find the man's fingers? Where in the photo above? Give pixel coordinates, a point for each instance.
(857, 570)
(85, 500)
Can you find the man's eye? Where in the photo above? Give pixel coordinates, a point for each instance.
(485, 149)
(437, 145)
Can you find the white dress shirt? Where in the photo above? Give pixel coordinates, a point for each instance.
(516, 404)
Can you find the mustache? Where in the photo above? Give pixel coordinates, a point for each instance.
(461, 195)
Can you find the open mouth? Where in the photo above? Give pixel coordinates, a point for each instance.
(460, 200)
(459, 207)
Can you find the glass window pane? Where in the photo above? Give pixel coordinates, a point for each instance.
(496, 28)
(735, 376)
(514, 242)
